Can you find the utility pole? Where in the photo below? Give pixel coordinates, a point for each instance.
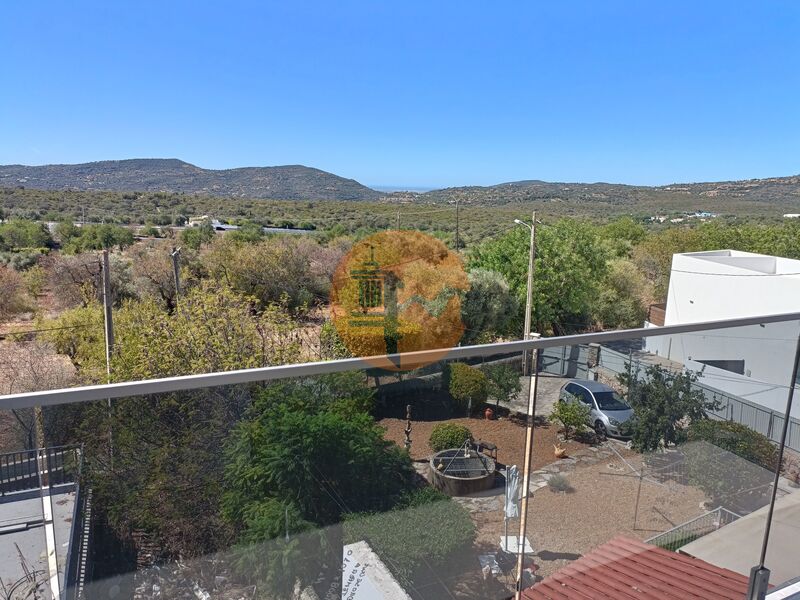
(398, 221)
(176, 269)
(529, 299)
(109, 324)
(526, 473)
(109, 335)
(458, 240)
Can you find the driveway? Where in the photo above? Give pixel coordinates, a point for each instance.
(546, 395)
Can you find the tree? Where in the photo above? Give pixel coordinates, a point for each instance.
(573, 416)
(466, 385)
(488, 306)
(247, 233)
(570, 265)
(195, 237)
(166, 478)
(276, 268)
(503, 383)
(664, 405)
(309, 453)
(99, 237)
(12, 293)
(153, 271)
(623, 298)
(18, 234)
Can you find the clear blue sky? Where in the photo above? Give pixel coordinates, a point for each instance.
(428, 93)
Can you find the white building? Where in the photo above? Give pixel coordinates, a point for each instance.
(754, 362)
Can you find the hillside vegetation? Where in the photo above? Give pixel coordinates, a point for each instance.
(293, 182)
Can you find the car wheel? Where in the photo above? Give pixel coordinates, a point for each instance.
(600, 430)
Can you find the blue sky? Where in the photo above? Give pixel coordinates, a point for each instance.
(410, 93)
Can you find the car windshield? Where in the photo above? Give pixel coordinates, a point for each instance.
(610, 401)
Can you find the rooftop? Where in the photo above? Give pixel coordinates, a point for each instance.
(624, 569)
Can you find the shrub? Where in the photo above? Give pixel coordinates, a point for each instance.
(559, 483)
(427, 527)
(573, 416)
(737, 438)
(503, 383)
(467, 385)
(448, 435)
(12, 293)
(731, 463)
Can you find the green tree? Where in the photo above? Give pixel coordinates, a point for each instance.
(623, 298)
(466, 385)
(570, 266)
(488, 306)
(19, 234)
(166, 479)
(195, 237)
(664, 404)
(503, 383)
(306, 449)
(573, 416)
(247, 233)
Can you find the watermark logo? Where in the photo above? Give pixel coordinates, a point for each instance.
(397, 292)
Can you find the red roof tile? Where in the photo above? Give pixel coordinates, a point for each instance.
(627, 569)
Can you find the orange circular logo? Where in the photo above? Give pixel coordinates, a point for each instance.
(397, 292)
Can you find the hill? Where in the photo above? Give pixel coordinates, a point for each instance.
(293, 182)
(781, 191)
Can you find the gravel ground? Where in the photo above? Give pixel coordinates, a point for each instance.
(564, 526)
(507, 435)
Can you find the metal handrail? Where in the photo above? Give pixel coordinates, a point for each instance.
(204, 380)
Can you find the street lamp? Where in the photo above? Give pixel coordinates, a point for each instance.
(529, 301)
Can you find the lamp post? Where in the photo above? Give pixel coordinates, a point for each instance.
(529, 301)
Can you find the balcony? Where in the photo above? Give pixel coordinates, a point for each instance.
(318, 480)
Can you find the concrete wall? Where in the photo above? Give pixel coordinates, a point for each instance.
(709, 286)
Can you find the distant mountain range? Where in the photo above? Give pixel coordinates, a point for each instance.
(292, 182)
(296, 182)
(778, 190)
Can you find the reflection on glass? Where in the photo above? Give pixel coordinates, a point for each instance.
(375, 481)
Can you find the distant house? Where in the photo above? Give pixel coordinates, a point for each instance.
(754, 362)
(627, 569)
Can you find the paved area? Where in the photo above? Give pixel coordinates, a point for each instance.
(22, 534)
(546, 395)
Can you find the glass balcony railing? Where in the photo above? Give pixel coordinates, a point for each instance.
(627, 461)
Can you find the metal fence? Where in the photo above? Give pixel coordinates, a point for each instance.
(732, 408)
(679, 536)
(20, 471)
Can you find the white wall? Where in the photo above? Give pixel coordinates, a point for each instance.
(728, 287)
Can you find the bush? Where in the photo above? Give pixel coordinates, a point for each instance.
(558, 483)
(737, 438)
(12, 293)
(573, 416)
(448, 435)
(426, 528)
(503, 383)
(733, 464)
(467, 385)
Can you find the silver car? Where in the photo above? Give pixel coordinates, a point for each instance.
(610, 414)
